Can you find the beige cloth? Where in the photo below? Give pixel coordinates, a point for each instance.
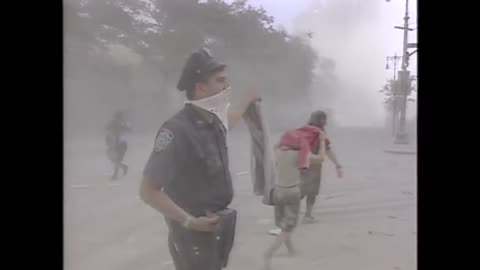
(287, 171)
(287, 207)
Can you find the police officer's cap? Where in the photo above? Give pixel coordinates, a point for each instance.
(199, 65)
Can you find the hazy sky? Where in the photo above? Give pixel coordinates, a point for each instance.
(360, 54)
(285, 11)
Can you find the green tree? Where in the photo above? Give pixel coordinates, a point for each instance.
(389, 91)
(165, 32)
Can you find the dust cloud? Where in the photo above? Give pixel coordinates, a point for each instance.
(350, 32)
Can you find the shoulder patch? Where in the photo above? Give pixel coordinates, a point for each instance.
(164, 138)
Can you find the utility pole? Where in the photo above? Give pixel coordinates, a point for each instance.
(394, 89)
(401, 136)
(403, 88)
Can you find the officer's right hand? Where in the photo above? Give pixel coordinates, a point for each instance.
(204, 224)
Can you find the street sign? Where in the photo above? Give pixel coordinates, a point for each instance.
(401, 27)
(412, 45)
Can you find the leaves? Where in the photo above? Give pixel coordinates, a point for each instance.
(165, 32)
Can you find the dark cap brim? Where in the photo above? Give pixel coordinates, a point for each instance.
(212, 66)
(198, 66)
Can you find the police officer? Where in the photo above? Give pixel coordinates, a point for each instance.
(187, 176)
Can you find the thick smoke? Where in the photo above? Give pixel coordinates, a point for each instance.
(351, 33)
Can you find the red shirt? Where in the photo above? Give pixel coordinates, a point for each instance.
(303, 139)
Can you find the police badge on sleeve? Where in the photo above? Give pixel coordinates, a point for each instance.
(164, 138)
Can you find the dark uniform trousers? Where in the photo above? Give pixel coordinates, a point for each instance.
(202, 250)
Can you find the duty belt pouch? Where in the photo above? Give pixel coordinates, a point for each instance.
(225, 233)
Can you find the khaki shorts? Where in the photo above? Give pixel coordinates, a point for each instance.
(311, 179)
(287, 207)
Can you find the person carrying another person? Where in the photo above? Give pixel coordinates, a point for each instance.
(293, 155)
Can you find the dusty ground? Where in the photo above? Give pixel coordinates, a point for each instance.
(367, 219)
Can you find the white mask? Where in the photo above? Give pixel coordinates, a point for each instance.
(217, 104)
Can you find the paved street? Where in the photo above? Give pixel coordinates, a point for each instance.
(367, 220)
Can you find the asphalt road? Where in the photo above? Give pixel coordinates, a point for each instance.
(367, 220)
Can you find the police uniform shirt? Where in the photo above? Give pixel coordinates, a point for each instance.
(190, 162)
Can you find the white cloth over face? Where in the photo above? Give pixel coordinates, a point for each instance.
(264, 173)
(217, 104)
